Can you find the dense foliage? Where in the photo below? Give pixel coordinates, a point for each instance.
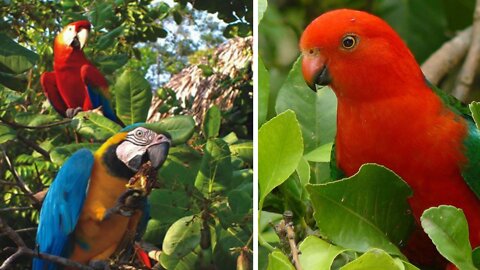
(206, 183)
(342, 224)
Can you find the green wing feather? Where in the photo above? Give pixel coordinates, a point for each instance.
(471, 171)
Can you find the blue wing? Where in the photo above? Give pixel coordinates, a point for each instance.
(62, 206)
(97, 100)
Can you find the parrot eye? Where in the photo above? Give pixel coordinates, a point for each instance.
(139, 133)
(349, 42)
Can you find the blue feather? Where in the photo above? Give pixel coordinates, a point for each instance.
(97, 100)
(62, 206)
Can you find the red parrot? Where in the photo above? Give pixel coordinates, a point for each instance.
(388, 113)
(75, 84)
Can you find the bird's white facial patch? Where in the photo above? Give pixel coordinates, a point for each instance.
(136, 144)
(69, 34)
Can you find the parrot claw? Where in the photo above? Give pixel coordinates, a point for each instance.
(130, 201)
(99, 265)
(71, 112)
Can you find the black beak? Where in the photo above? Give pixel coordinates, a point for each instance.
(75, 43)
(158, 154)
(321, 77)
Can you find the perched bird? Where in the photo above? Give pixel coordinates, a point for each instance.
(89, 211)
(388, 113)
(75, 84)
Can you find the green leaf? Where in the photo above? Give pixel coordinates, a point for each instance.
(367, 210)
(261, 7)
(60, 154)
(15, 58)
(476, 257)
(111, 63)
(108, 39)
(317, 253)
(321, 154)
(243, 151)
(6, 133)
(280, 150)
(15, 82)
(182, 237)
(211, 122)
(174, 205)
(179, 127)
(316, 112)
(181, 167)
(216, 167)
(133, 95)
(94, 125)
(263, 91)
(448, 229)
(374, 259)
(475, 109)
(34, 120)
(186, 262)
(303, 171)
(278, 261)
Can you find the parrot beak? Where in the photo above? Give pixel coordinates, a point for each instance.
(315, 71)
(158, 150)
(77, 40)
(82, 37)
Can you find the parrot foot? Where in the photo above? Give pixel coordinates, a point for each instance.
(130, 201)
(71, 112)
(99, 265)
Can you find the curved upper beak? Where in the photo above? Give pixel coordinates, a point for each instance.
(158, 150)
(82, 37)
(315, 71)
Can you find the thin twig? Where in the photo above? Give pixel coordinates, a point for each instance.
(286, 233)
(288, 216)
(18, 125)
(469, 68)
(447, 57)
(23, 250)
(20, 183)
(31, 229)
(19, 208)
(34, 146)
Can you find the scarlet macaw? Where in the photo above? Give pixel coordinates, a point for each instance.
(88, 210)
(75, 84)
(389, 114)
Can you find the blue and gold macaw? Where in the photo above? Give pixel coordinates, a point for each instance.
(85, 216)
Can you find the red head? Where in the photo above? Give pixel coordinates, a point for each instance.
(358, 54)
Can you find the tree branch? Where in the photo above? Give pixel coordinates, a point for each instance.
(20, 183)
(447, 57)
(34, 146)
(469, 68)
(18, 125)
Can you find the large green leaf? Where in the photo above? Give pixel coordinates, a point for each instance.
(111, 63)
(448, 229)
(278, 261)
(211, 123)
(108, 39)
(316, 112)
(367, 210)
(243, 151)
(261, 7)
(16, 82)
(182, 237)
(33, 120)
(179, 127)
(181, 167)
(15, 58)
(280, 150)
(133, 95)
(415, 20)
(263, 91)
(318, 254)
(94, 125)
(60, 154)
(374, 259)
(216, 167)
(6, 133)
(321, 154)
